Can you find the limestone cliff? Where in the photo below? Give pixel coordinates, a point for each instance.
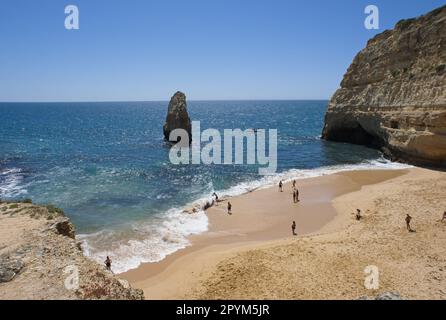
(393, 96)
(40, 259)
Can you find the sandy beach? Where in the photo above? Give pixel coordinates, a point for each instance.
(252, 253)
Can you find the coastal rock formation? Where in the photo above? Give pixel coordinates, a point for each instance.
(384, 296)
(9, 268)
(393, 96)
(40, 259)
(177, 116)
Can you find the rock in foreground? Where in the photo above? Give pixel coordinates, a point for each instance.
(40, 259)
(177, 116)
(393, 96)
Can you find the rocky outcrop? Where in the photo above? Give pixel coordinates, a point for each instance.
(9, 268)
(384, 296)
(40, 259)
(64, 227)
(393, 96)
(177, 116)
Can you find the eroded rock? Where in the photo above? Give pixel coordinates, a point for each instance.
(9, 268)
(393, 96)
(177, 116)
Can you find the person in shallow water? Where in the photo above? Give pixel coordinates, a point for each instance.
(229, 208)
(108, 263)
(358, 214)
(293, 228)
(280, 186)
(216, 197)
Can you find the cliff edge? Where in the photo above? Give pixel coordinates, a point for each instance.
(40, 259)
(393, 96)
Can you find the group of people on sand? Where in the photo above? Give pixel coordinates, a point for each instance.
(214, 195)
(295, 200)
(295, 191)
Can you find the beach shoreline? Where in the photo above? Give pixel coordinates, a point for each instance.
(260, 219)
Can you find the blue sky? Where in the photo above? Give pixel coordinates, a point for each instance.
(210, 49)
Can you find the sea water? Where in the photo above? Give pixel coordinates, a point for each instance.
(106, 164)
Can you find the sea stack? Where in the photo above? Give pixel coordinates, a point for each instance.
(393, 96)
(177, 116)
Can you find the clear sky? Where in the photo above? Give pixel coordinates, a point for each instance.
(210, 49)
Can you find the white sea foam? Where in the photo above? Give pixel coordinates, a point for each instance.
(296, 174)
(150, 241)
(153, 240)
(11, 185)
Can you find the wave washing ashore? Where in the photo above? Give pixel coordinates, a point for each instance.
(107, 166)
(159, 240)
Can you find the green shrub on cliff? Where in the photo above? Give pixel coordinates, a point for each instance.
(53, 209)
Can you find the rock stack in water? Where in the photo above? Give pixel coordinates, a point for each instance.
(393, 96)
(177, 116)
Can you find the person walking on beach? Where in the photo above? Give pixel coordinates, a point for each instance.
(280, 186)
(294, 196)
(108, 263)
(297, 195)
(229, 208)
(358, 214)
(408, 220)
(294, 184)
(216, 198)
(444, 217)
(293, 228)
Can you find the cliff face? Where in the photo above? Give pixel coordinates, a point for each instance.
(38, 252)
(393, 96)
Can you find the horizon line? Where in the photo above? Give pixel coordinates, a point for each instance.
(191, 100)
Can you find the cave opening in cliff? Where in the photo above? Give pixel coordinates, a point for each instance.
(356, 134)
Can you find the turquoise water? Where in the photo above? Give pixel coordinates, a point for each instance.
(107, 166)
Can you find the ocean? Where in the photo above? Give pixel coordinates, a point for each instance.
(107, 166)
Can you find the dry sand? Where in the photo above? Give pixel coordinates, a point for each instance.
(252, 254)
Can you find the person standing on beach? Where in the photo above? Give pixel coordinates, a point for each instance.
(280, 186)
(294, 196)
(358, 214)
(293, 228)
(297, 195)
(294, 184)
(229, 208)
(444, 217)
(108, 263)
(408, 220)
